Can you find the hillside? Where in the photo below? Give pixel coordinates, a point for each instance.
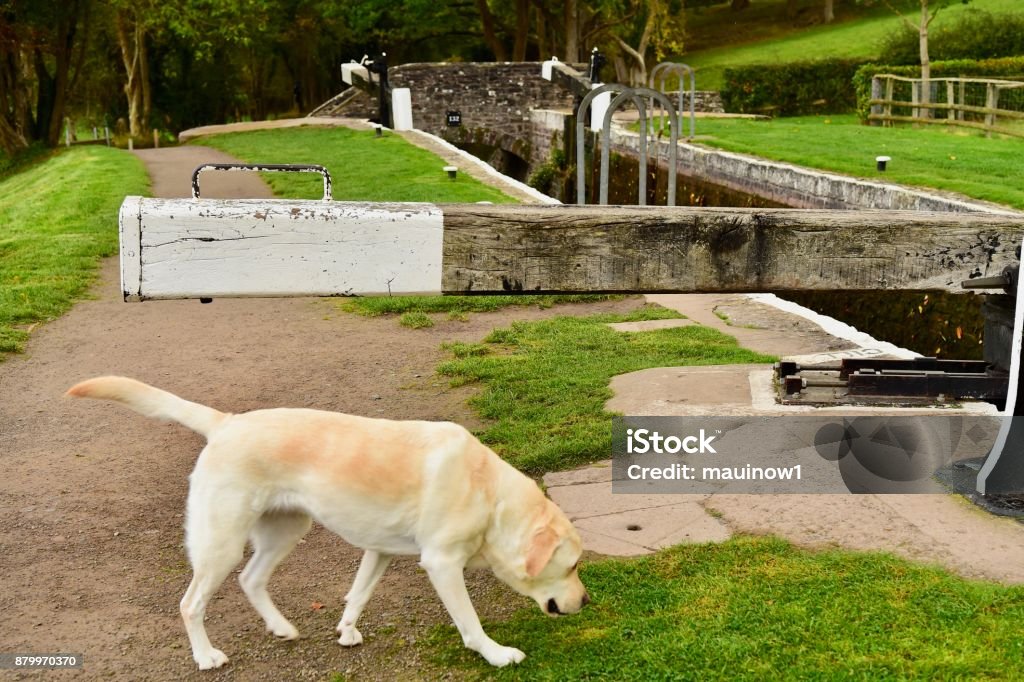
(718, 37)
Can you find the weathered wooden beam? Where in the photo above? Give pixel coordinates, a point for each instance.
(658, 249)
(185, 248)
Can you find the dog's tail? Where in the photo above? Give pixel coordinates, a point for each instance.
(151, 402)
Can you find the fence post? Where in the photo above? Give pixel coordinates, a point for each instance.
(890, 84)
(991, 103)
(915, 97)
(950, 101)
(876, 93)
(963, 98)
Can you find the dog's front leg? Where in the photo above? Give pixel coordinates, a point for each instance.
(447, 578)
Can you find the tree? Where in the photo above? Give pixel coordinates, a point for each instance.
(641, 29)
(829, 14)
(928, 14)
(42, 46)
(134, 20)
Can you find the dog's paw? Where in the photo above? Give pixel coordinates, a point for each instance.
(500, 656)
(350, 637)
(214, 658)
(284, 630)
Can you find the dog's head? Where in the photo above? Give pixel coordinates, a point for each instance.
(546, 570)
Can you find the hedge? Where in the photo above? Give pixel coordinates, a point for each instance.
(793, 89)
(1009, 68)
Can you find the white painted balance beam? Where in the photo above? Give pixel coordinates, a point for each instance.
(181, 248)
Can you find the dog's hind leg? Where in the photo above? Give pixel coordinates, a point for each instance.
(273, 537)
(217, 524)
(370, 570)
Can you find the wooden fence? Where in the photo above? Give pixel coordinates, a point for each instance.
(995, 106)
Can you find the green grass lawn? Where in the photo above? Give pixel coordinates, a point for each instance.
(760, 609)
(768, 39)
(57, 219)
(544, 384)
(362, 167)
(954, 160)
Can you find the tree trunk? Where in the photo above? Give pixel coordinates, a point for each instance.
(15, 120)
(738, 5)
(490, 37)
(522, 30)
(830, 14)
(147, 93)
(926, 65)
(131, 39)
(572, 32)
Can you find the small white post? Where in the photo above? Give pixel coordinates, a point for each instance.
(401, 108)
(547, 67)
(598, 107)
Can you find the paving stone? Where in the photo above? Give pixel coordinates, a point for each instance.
(595, 473)
(654, 528)
(597, 499)
(610, 546)
(676, 388)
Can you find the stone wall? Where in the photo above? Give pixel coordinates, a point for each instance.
(495, 100)
(802, 187)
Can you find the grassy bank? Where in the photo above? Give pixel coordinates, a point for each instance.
(363, 167)
(545, 384)
(57, 219)
(759, 609)
(720, 38)
(953, 160)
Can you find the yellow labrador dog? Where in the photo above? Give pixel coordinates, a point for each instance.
(389, 487)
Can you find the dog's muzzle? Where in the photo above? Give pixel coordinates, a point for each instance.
(552, 605)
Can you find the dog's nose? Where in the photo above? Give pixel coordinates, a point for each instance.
(586, 598)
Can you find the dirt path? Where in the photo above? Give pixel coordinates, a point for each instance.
(90, 545)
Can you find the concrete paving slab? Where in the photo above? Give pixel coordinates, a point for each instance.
(585, 500)
(598, 472)
(658, 527)
(610, 546)
(650, 325)
(677, 388)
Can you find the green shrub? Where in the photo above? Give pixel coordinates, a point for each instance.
(793, 89)
(976, 34)
(1010, 68)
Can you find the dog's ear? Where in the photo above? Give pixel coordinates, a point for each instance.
(544, 543)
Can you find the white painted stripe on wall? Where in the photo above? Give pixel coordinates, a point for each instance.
(488, 168)
(261, 247)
